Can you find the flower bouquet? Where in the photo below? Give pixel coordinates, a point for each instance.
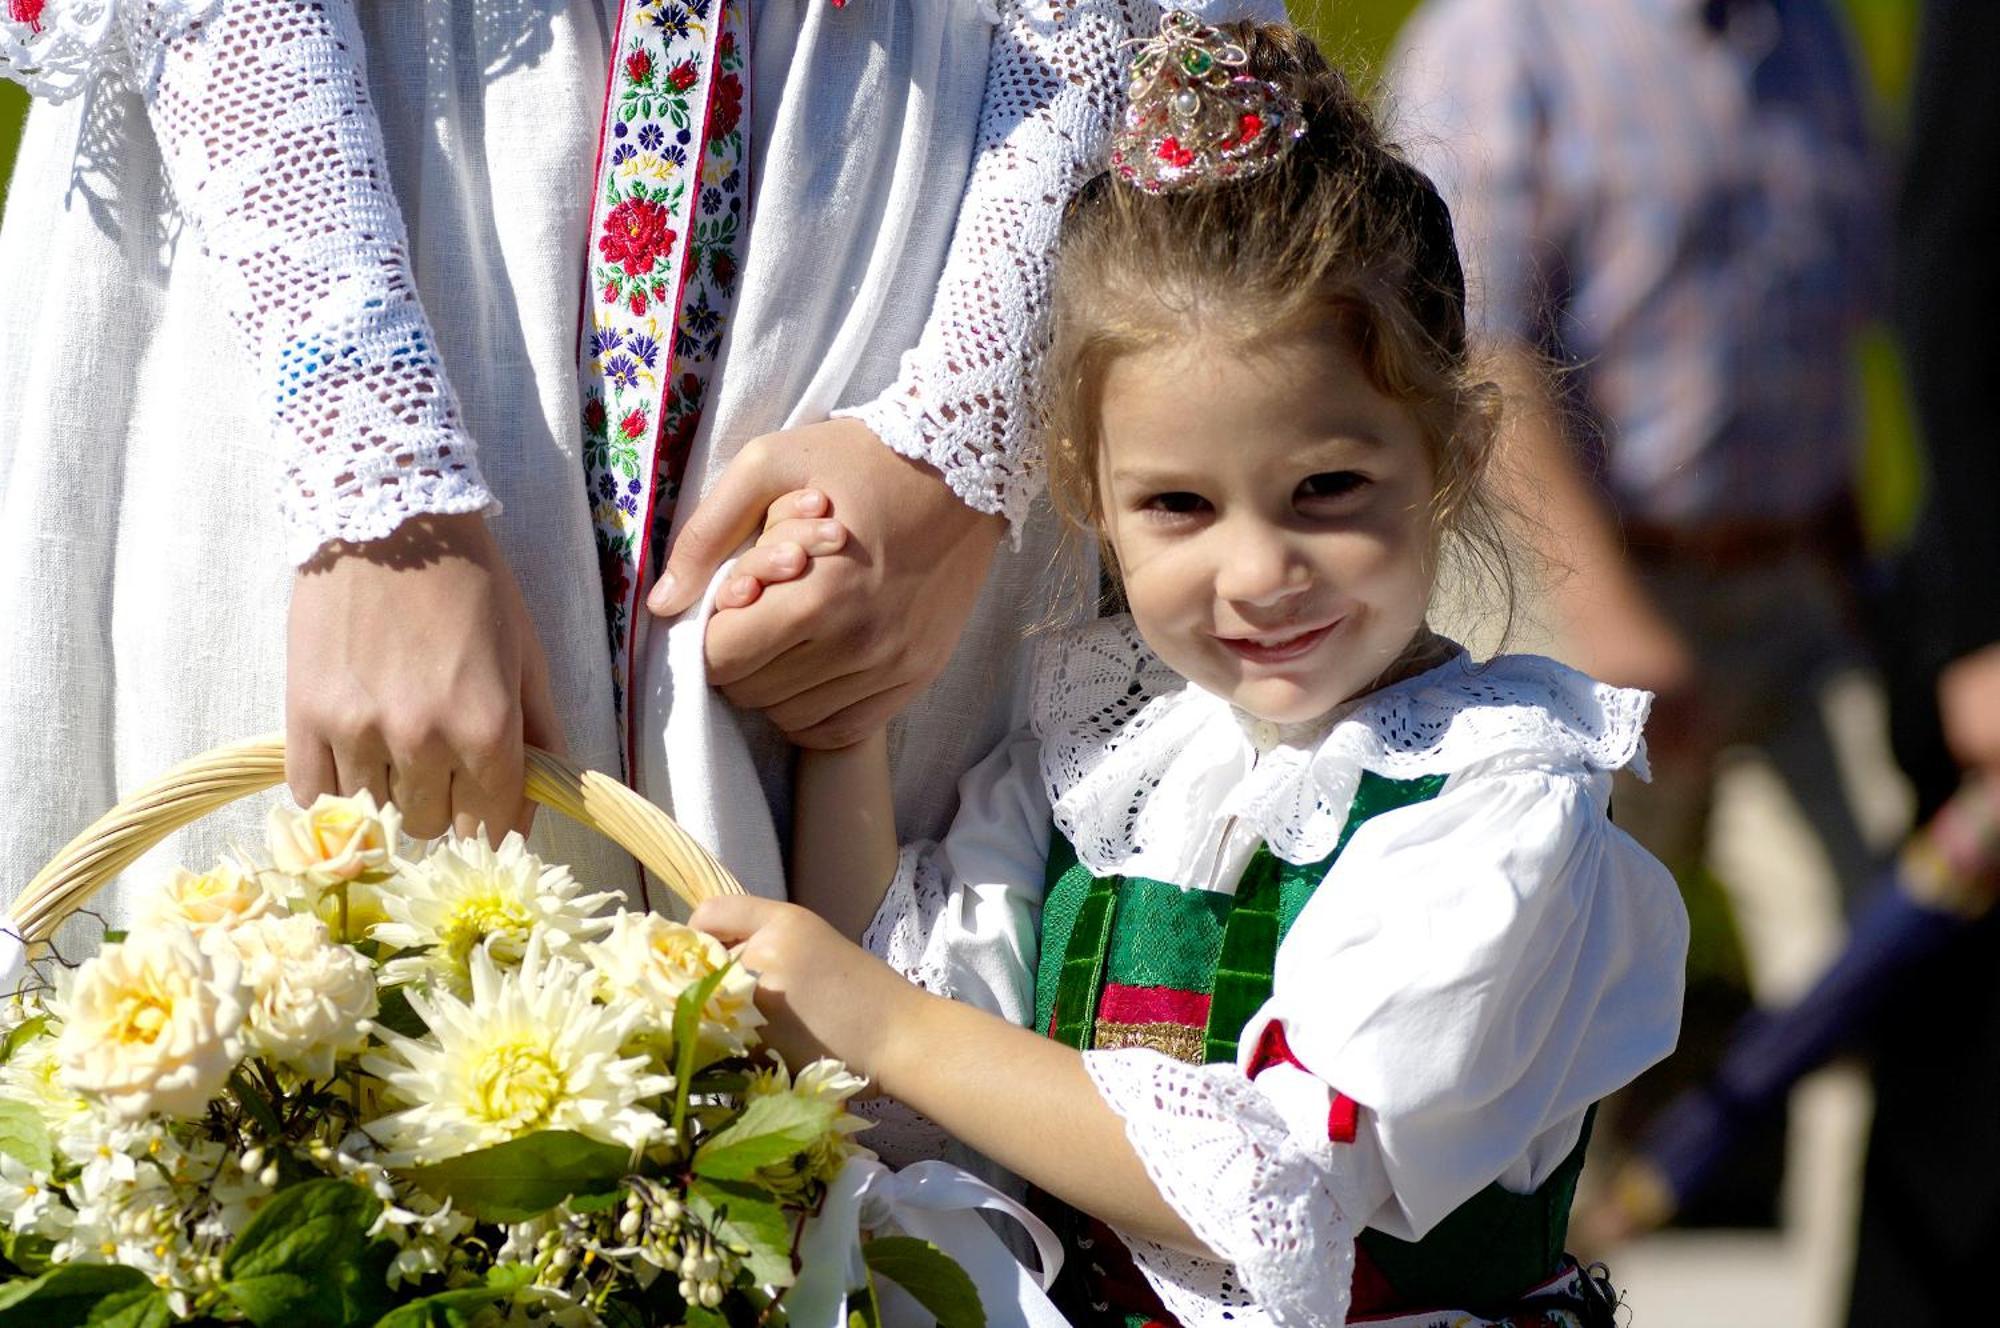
(366, 1082)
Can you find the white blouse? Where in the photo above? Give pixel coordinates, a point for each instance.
(1475, 971)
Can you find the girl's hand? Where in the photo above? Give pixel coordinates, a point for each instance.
(822, 994)
(797, 529)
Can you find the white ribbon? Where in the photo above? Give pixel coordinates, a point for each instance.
(931, 1201)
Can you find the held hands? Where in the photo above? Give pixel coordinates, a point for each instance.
(833, 656)
(412, 670)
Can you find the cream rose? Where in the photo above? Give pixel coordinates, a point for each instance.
(650, 960)
(308, 994)
(335, 840)
(220, 898)
(155, 1024)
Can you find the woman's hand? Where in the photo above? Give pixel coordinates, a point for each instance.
(833, 656)
(822, 994)
(412, 670)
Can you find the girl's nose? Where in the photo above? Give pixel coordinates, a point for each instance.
(1258, 568)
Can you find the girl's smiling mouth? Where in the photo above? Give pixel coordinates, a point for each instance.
(1278, 648)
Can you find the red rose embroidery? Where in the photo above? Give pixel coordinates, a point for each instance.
(610, 291)
(593, 415)
(639, 67)
(682, 76)
(723, 265)
(633, 426)
(635, 235)
(638, 302)
(611, 567)
(28, 12)
(728, 109)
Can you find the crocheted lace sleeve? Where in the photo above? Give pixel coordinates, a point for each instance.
(275, 159)
(962, 399)
(1279, 1206)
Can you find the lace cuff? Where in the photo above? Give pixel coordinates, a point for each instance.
(1280, 1213)
(57, 48)
(275, 158)
(900, 933)
(962, 400)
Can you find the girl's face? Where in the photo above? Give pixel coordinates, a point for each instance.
(1270, 514)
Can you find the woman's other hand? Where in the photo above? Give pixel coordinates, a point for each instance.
(412, 670)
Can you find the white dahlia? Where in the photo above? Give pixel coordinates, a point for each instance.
(530, 1050)
(467, 896)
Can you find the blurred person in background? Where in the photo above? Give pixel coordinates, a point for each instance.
(1676, 202)
(1930, 1218)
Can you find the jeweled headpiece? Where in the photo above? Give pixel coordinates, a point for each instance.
(1196, 116)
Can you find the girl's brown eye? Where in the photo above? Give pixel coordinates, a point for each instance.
(1330, 484)
(1179, 503)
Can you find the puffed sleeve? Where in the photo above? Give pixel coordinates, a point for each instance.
(275, 157)
(1471, 976)
(1054, 89)
(961, 917)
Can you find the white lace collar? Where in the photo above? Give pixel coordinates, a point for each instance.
(1145, 771)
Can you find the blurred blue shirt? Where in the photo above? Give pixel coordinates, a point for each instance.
(1675, 198)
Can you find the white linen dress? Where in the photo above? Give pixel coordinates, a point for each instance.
(1475, 970)
(156, 486)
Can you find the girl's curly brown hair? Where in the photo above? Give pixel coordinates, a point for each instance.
(1342, 233)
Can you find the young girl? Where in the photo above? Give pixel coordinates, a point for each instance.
(1324, 944)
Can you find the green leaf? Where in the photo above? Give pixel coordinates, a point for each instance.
(597, 1203)
(770, 1130)
(84, 1295)
(21, 1034)
(743, 1216)
(24, 1136)
(863, 1310)
(526, 1177)
(931, 1276)
(700, 1316)
(687, 1039)
(398, 1015)
(305, 1260)
(458, 1309)
(28, 1254)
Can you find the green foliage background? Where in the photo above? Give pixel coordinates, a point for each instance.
(1359, 32)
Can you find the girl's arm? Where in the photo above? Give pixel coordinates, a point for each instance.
(1023, 1100)
(844, 833)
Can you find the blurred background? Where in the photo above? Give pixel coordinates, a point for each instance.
(1779, 873)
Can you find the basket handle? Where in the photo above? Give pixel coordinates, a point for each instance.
(215, 779)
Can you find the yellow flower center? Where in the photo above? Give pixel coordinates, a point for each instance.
(331, 829)
(142, 1015)
(517, 1086)
(478, 916)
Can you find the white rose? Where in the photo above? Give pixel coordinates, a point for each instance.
(335, 840)
(220, 898)
(651, 960)
(155, 1024)
(308, 995)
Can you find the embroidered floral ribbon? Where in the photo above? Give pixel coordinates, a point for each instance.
(668, 216)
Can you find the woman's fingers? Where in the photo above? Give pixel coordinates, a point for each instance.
(309, 766)
(798, 503)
